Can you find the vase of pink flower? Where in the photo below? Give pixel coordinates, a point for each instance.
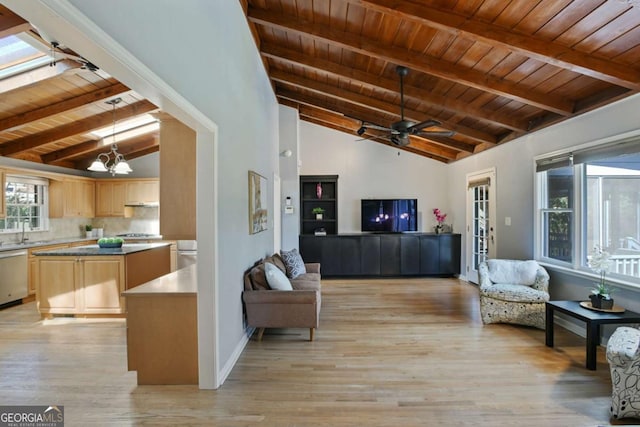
(440, 217)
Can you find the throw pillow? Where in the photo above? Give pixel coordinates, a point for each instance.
(294, 263)
(276, 278)
(512, 271)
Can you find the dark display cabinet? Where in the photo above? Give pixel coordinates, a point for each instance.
(318, 191)
(396, 254)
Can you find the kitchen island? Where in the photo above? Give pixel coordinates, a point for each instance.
(162, 329)
(89, 280)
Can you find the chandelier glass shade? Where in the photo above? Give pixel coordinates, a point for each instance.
(112, 161)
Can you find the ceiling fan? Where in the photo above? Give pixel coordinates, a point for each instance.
(399, 131)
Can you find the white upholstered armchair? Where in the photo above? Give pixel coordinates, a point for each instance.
(513, 291)
(623, 354)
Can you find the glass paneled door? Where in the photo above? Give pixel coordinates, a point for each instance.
(481, 242)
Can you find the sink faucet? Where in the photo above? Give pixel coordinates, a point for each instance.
(23, 239)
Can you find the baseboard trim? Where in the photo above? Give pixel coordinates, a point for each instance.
(228, 366)
(577, 328)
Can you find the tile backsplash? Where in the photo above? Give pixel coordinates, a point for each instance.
(144, 220)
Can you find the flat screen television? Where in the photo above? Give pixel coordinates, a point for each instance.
(389, 215)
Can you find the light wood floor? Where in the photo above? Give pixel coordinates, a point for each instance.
(387, 353)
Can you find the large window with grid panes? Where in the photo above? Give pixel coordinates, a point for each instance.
(587, 200)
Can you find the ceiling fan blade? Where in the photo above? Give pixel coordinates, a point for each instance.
(426, 124)
(369, 138)
(376, 127)
(429, 133)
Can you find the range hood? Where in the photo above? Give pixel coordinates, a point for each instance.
(142, 204)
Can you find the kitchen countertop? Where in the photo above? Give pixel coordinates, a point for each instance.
(183, 281)
(35, 244)
(89, 250)
(29, 245)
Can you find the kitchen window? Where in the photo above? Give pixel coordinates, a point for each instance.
(591, 198)
(26, 205)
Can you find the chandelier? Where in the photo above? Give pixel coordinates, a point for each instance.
(112, 161)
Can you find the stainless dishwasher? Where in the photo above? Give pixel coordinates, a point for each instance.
(13, 276)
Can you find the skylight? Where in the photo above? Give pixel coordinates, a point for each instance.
(18, 56)
(127, 128)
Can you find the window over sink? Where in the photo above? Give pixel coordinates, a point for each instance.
(26, 204)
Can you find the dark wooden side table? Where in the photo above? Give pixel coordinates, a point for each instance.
(593, 320)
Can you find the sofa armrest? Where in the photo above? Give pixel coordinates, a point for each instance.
(312, 267)
(280, 297)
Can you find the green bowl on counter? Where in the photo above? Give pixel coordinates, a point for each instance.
(110, 242)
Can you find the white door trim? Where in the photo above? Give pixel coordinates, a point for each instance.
(489, 175)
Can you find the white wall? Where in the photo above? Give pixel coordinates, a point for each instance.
(203, 58)
(368, 169)
(515, 180)
(289, 181)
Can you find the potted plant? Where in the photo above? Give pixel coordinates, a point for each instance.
(440, 217)
(89, 230)
(318, 212)
(600, 295)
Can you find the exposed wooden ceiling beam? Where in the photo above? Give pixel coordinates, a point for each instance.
(78, 127)
(305, 101)
(413, 60)
(525, 44)
(62, 106)
(11, 24)
(374, 104)
(58, 156)
(392, 86)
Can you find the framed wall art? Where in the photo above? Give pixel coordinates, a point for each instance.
(258, 213)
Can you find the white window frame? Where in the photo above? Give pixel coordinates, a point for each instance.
(44, 207)
(579, 251)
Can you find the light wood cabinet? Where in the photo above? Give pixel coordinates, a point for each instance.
(72, 198)
(102, 280)
(59, 288)
(142, 191)
(3, 207)
(177, 180)
(93, 284)
(33, 263)
(80, 284)
(110, 198)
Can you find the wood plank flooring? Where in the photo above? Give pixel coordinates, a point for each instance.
(402, 352)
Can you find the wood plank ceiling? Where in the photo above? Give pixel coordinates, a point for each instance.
(48, 113)
(490, 70)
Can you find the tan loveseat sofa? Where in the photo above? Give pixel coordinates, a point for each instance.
(267, 308)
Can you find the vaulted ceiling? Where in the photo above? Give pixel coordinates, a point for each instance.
(50, 113)
(489, 70)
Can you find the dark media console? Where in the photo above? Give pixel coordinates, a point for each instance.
(384, 254)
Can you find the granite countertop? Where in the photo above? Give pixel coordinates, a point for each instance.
(183, 281)
(28, 245)
(37, 243)
(89, 250)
